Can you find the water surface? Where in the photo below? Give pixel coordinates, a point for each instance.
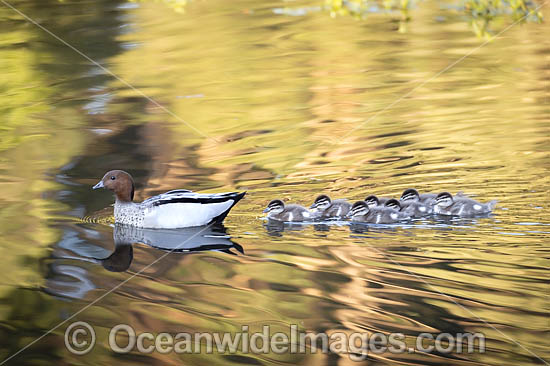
(282, 100)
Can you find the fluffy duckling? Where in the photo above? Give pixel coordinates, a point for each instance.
(411, 209)
(412, 204)
(412, 195)
(278, 211)
(326, 209)
(361, 212)
(446, 204)
(373, 201)
(393, 203)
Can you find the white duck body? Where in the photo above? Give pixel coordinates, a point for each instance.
(176, 209)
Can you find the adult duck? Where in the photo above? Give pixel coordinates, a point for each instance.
(174, 209)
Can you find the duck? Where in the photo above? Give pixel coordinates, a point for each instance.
(446, 204)
(174, 209)
(278, 211)
(326, 208)
(361, 212)
(412, 204)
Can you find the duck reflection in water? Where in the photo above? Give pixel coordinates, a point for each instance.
(69, 275)
(192, 239)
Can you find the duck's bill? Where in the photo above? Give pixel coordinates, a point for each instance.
(313, 206)
(266, 210)
(99, 185)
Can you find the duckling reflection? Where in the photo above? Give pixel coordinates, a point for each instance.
(276, 228)
(321, 227)
(192, 239)
(360, 228)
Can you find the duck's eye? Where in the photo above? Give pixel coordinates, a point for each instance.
(113, 177)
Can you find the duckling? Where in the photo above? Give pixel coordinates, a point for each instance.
(373, 201)
(325, 208)
(410, 209)
(393, 203)
(412, 194)
(361, 212)
(428, 198)
(412, 205)
(446, 204)
(278, 211)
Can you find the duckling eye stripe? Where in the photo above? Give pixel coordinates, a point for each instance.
(109, 72)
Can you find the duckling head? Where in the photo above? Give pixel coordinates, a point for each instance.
(358, 208)
(393, 203)
(444, 199)
(120, 182)
(372, 201)
(410, 194)
(275, 206)
(321, 203)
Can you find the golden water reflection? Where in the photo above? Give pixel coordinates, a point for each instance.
(294, 106)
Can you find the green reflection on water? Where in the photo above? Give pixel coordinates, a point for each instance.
(480, 13)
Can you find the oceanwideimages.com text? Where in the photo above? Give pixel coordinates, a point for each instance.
(80, 338)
